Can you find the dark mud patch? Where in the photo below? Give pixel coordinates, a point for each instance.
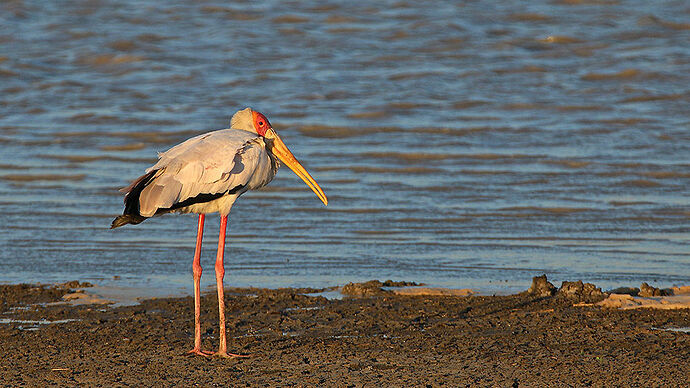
(295, 339)
(13, 296)
(373, 287)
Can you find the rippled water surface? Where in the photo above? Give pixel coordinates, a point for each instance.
(461, 144)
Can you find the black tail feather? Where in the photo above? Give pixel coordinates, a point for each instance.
(131, 213)
(127, 219)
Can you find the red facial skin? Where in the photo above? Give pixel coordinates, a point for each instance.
(261, 123)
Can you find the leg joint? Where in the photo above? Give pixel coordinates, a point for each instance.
(196, 270)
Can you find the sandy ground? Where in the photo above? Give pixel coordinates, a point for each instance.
(372, 337)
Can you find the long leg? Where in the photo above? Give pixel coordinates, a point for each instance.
(196, 270)
(220, 273)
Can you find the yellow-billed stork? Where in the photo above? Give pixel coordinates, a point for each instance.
(206, 174)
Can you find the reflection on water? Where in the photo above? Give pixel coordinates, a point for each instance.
(460, 145)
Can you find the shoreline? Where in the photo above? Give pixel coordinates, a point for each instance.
(540, 337)
(85, 293)
(120, 292)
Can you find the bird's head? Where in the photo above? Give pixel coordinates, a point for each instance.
(253, 121)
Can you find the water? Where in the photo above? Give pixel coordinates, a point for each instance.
(461, 144)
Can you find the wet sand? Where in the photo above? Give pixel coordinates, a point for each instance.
(370, 337)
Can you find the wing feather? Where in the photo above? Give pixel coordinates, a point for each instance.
(213, 163)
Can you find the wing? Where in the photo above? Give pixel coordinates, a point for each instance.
(204, 168)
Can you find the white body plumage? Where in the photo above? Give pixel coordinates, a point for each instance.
(227, 162)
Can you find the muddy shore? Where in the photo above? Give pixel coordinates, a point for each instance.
(369, 338)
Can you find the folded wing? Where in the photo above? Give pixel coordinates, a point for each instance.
(204, 168)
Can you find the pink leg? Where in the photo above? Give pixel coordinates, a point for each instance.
(220, 274)
(196, 269)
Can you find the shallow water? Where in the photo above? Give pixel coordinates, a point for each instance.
(460, 144)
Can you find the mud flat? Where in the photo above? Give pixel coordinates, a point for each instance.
(547, 336)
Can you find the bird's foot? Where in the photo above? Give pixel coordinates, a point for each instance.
(200, 352)
(223, 354)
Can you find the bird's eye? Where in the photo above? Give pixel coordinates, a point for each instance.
(261, 123)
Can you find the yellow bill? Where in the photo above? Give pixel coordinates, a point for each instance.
(283, 153)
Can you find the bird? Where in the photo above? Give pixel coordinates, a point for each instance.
(206, 174)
